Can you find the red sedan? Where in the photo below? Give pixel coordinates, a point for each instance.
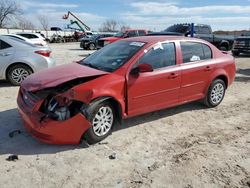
(85, 100)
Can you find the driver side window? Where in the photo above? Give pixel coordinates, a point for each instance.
(161, 55)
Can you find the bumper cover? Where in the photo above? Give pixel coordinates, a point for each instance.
(50, 131)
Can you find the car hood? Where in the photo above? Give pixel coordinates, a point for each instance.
(53, 77)
(111, 39)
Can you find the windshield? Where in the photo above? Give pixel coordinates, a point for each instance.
(112, 56)
(119, 34)
(179, 28)
(93, 36)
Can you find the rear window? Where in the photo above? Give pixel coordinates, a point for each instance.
(4, 45)
(29, 36)
(132, 34)
(141, 33)
(193, 51)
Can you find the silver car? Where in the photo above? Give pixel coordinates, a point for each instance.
(19, 59)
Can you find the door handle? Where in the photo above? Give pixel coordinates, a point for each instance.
(173, 75)
(5, 54)
(208, 68)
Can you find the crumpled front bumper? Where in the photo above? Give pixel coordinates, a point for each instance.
(50, 131)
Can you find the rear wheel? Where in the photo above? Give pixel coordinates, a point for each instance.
(235, 53)
(92, 46)
(223, 48)
(215, 93)
(102, 120)
(17, 73)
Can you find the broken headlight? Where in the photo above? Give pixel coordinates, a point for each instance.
(61, 108)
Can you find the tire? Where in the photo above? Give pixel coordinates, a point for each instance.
(215, 93)
(223, 48)
(235, 53)
(91, 46)
(17, 73)
(98, 131)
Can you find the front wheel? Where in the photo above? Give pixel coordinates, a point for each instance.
(215, 93)
(102, 120)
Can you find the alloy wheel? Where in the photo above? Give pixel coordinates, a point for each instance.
(217, 93)
(103, 121)
(19, 74)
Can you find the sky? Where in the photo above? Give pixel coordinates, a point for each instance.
(147, 14)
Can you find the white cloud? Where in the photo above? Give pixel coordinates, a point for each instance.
(156, 8)
(158, 16)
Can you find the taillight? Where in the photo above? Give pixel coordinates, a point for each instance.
(45, 53)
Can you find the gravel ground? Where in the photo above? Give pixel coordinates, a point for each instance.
(188, 146)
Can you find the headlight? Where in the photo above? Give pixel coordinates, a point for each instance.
(61, 108)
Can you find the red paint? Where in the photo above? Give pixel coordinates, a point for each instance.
(57, 75)
(136, 94)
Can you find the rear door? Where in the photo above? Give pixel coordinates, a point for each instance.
(6, 55)
(195, 70)
(155, 90)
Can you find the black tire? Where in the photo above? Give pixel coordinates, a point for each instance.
(90, 136)
(235, 53)
(91, 46)
(223, 48)
(12, 71)
(209, 99)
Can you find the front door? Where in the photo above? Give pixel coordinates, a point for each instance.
(6, 54)
(155, 90)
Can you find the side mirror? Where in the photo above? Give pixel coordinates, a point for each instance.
(144, 67)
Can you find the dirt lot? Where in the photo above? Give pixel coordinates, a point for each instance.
(188, 146)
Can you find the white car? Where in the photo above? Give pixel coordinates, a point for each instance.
(19, 37)
(36, 38)
(19, 59)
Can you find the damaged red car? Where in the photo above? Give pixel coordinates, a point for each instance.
(85, 100)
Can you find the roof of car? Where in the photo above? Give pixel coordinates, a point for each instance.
(28, 33)
(154, 39)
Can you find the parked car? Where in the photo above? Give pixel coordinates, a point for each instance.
(202, 31)
(124, 79)
(37, 38)
(19, 59)
(21, 38)
(121, 35)
(241, 45)
(90, 43)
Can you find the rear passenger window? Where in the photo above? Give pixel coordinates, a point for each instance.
(4, 45)
(132, 34)
(141, 33)
(192, 52)
(162, 55)
(29, 36)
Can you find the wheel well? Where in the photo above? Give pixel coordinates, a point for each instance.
(114, 103)
(224, 78)
(13, 64)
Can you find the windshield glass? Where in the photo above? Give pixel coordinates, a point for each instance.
(178, 28)
(112, 56)
(93, 36)
(119, 34)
